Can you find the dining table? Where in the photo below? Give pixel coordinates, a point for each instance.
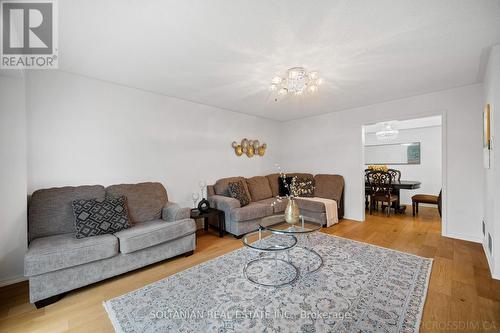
(397, 186)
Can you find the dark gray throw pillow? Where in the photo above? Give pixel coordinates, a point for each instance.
(97, 217)
(237, 191)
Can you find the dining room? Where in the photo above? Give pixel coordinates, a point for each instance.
(403, 166)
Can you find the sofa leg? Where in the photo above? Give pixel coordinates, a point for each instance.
(47, 301)
(238, 237)
(190, 253)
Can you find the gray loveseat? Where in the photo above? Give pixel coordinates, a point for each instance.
(57, 262)
(263, 191)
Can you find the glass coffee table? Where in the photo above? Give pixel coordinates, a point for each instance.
(291, 250)
(306, 258)
(270, 270)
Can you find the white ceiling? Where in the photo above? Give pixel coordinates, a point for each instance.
(224, 52)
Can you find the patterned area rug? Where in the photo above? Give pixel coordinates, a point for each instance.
(359, 288)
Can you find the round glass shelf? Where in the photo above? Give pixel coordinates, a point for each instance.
(278, 225)
(270, 271)
(268, 241)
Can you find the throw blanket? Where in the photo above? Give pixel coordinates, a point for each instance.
(330, 209)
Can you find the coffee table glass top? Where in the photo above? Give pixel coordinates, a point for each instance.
(268, 241)
(277, 224)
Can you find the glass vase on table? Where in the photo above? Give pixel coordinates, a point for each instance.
(202, 184)
(195, 196)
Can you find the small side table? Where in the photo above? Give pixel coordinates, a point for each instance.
(221, 219)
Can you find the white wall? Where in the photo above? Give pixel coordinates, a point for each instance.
(85, 131)
(331, 143)
(12, 179)
(428, 172)
(492, 175)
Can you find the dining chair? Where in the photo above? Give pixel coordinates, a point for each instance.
(395, 177)
(367, 189)
(380, 189)
(428, 199)
(395, 174)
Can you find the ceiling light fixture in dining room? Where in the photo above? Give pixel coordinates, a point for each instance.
(296, 81)
(387, 132)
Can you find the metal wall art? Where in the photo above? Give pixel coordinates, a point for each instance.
(250, 148)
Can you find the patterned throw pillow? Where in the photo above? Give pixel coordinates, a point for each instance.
(94, 217)
(237, 191)
(307, 186)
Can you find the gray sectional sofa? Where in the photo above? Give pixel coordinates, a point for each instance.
(263, 191)
(57, 262)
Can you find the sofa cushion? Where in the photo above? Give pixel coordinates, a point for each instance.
(51, 211)
(259, 188)
(274, 183)
(145, 201)
(52, 253)
(252, 211)
(306, 186)
(237, 191)
(329, 186)
(221, 186)
(98, 217)
(152, 233)
(278, 206)
(312, 206)
(301, 175)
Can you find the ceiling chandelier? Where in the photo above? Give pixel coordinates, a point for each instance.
(296, 81)
(387, 132)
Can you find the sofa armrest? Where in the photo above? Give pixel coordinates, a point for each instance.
(173, 212)
(226, 204)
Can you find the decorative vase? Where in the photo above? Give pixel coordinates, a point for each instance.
(292, 212)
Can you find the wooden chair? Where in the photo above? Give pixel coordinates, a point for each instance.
(367, 189)
(380, 188)
(395, 175)
(395, 178)
(428, 199)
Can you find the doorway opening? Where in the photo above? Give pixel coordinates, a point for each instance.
(403, 166)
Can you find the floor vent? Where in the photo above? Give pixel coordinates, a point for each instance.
(490, 243)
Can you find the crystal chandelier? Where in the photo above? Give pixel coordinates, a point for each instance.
(387, 132)
(297, 81)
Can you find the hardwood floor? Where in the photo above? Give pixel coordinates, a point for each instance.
(461, 297)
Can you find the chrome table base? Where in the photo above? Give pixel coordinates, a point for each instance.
(278, 276)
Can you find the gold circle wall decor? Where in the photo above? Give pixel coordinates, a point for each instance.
(250, 151)
(238, 150)
(250, 148)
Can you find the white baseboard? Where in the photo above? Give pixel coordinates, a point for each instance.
(489, 260)
(469, 238)
(12, 280)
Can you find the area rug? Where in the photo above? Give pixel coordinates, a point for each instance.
(359, 288)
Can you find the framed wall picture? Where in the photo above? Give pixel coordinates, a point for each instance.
(486, 135)
(486, 127)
